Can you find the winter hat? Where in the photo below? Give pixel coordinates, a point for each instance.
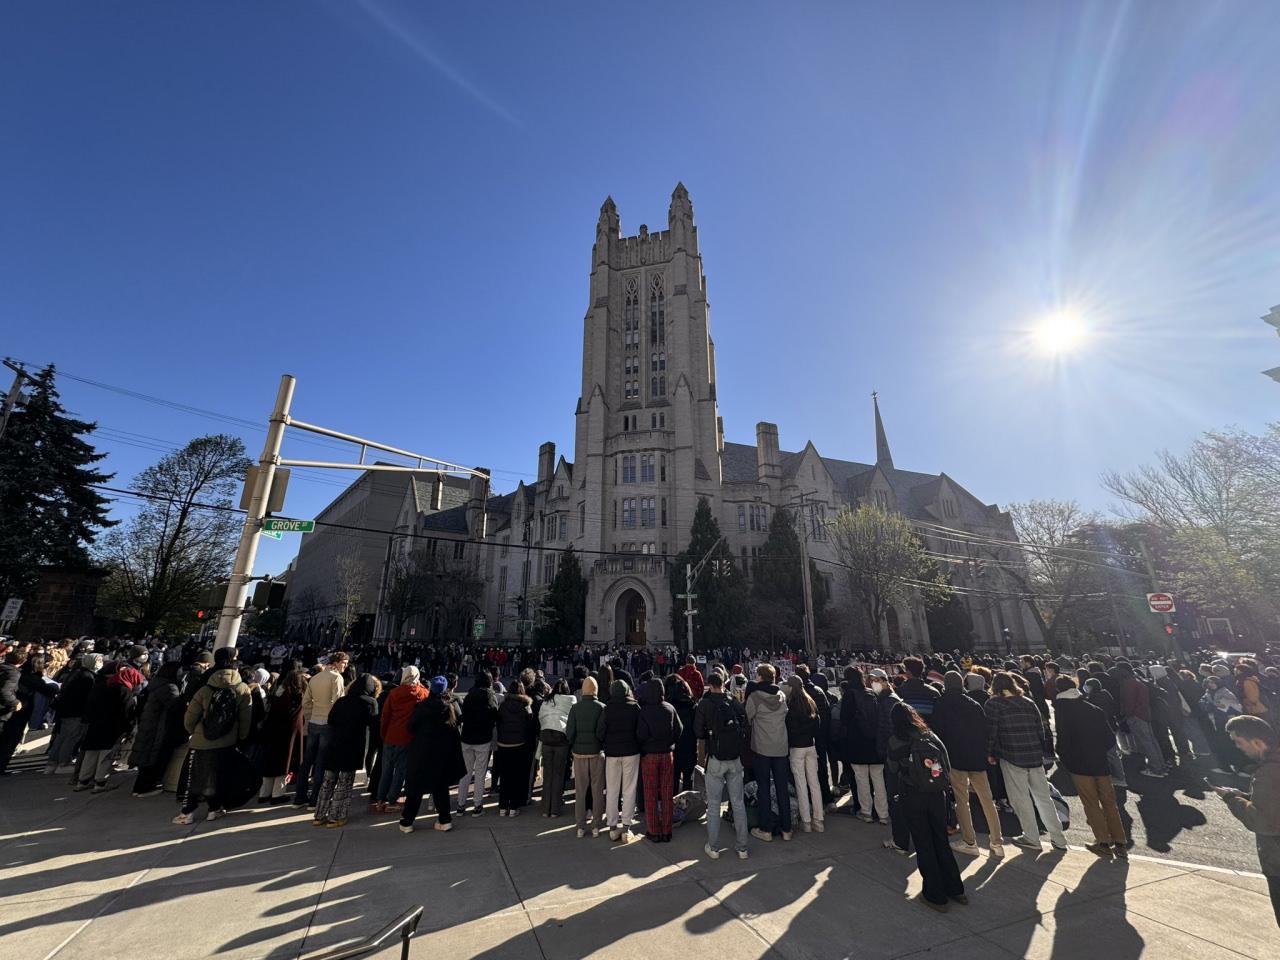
(975, 681)
(136, 652)
(737, 669)
(438, 686)
(263, 676)
(410, 674)
(204, 656)
(879, 674)
(953, 680)
(90, 661)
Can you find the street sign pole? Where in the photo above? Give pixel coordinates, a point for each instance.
(233, 607)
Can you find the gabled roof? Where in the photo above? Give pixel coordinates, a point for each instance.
(738, 463)
(453, 520)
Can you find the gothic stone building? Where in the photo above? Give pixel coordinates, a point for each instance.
(649, 442)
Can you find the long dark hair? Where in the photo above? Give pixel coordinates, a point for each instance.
(906, 722)
(799, 703)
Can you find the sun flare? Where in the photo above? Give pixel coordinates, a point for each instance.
(1059, 333)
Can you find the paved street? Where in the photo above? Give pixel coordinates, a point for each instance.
(108, 876)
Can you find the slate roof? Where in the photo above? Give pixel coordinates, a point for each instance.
(453, 520)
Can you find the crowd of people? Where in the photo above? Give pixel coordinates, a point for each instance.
(920, 745)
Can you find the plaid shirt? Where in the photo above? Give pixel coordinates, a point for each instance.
(1015, 731)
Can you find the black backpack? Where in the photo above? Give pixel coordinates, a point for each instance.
(221, 715)
(930, 769)
(728, 732)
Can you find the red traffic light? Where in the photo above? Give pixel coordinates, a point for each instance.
(199, 614)
(1168, 628)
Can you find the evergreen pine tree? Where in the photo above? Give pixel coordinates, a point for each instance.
(49, 511)
(777, 587)
(721, 587)
(564, 608)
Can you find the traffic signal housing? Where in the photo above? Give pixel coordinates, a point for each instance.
(268, 594)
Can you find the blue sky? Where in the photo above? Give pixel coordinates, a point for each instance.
(396, 202)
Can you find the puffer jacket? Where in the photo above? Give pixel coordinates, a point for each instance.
(73, 697)
(1084, 736)
(658, 726)
(961, 725)
(616, 728)
(160, 725)
(767, 713)
(580, 728)
(516, 722)
(193, 720)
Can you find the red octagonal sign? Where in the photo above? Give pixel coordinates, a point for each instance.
(1160, 602)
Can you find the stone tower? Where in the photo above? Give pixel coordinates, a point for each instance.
(647, 435)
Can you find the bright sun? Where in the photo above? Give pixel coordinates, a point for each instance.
(1059, 333)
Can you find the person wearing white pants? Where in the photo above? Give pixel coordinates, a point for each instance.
(868, 779)
(476, 758)
(802, 752)
(1028, 791)
(1018, 736)
(620, 777)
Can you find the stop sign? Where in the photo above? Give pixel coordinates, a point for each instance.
(1160, 602)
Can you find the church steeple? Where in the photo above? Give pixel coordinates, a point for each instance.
(883, 457)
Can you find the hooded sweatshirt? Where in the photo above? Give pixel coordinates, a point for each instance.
(616, 728)
(658, 727)
(396, 711)
(767, 713)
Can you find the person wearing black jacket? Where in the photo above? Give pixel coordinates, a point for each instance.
(1084, 739)
(160, 730)
(961, 724)
(802, 754)
(658, 728)
(31, 683)
(616, 730)
(435, 756)
(479, 720)
(863, 753)
(822, 741)
(69, 707)
(351, 720)
(517, 735)
(679, 696)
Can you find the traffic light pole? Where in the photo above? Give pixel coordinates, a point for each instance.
(237, 588)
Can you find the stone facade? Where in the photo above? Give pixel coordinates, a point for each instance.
(62, 605)
(649, 442)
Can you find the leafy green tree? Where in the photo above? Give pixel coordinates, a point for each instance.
(721, 586)
(564, 607)
(182, 539)
(49, 512)
(885, 563)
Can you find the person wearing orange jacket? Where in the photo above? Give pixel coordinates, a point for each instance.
(394, 727)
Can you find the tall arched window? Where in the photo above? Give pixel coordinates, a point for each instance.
(653, 387)
(662, 361)
(657, 310)
(653, 363)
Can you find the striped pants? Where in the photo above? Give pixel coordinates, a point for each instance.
(656, 771)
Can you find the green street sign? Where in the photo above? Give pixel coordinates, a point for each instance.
(273, 534)
(477, 627)
(277, 524)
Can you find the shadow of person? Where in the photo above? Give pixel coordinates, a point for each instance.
(1083, 926)
(1163, 817)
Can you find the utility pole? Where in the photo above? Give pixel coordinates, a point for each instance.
(806, 522)
(691, 573)
(1166, 618)
(11, 400)
(247, 552)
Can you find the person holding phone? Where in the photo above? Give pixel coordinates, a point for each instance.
(1259, 809)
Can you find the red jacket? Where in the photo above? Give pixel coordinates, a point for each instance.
(397, 711)
(693, 677)
(1134, 699)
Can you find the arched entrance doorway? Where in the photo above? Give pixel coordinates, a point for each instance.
(631, 619)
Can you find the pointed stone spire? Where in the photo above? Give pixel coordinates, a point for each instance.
(883, 457)
(608, 216)
(681, 206)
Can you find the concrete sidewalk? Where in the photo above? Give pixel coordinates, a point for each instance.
(103, 877)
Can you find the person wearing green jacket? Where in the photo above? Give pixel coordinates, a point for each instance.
(219, 716)
(588, 758)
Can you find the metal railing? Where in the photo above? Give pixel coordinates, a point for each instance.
(406, 927)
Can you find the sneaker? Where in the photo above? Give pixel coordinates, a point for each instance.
(406, 828)
(1099, 849)
(864, 818)
(375, 807)
(98, 788)
(66, 768)
(1025, 843)
(761, 835)
(972, 849)
(219, 814)
(961, 899)
(1060, 847)
(184, 819)
(614, 835)
(501, 812)
(831, 807)
(478, 812)
(786, 834)
(581, 833)
(997, 851)
(52, 768)
(149, 793)
(1120, 850)
(318, 823)
(819, 826)
(444, 827)
(890, 845)
(806, 826)
(742, 854)
(595, 831)
(513, 813)
(460, 812)
(710, 851)
(336, 824)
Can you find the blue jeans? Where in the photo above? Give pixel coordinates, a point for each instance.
(779, 770)
(722, 776)
(395, 762)
(312, 770)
